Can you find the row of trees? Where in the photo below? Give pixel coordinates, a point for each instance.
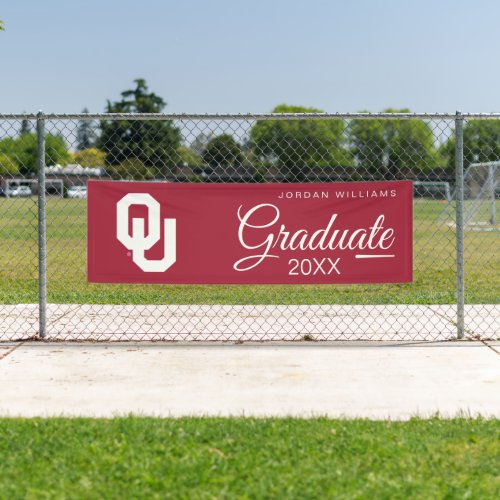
(293, 148)
(20, 155)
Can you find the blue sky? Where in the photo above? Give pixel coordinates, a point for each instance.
(248, 56)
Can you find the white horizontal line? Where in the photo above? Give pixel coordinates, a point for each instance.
(362, 256)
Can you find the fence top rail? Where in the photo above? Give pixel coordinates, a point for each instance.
(248, 116)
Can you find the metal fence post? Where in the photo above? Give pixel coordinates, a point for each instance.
(493, 202)
(42, 228)
(459, 199)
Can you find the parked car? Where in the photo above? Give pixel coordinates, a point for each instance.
(19, 191)
(77, 192)
(2, 192)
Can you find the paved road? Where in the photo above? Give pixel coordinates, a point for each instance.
(394, 381)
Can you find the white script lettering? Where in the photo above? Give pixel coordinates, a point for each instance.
(373, 237)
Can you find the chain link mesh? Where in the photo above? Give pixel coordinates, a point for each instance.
(246, 149)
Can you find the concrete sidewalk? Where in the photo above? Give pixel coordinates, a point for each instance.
(249, 323)
(394, 381)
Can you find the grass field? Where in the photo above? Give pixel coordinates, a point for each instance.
(249, 458)
(434, 266)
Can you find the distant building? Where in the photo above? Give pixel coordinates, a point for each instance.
(74, 174)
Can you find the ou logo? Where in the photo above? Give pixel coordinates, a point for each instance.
(138, 242)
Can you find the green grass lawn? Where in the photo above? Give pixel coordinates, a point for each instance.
(434, 267)
(249, 458)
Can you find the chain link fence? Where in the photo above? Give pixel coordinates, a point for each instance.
(46, 161)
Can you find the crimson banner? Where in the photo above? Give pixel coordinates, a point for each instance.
(151, 232)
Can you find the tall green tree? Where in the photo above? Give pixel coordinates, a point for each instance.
(296, 147)
(153, 143)
(86, 134)
(23, 150)
(481, 143)
(393, 149)
(223, 152)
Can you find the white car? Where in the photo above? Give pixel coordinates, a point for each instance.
(77, 192)
(19, 191)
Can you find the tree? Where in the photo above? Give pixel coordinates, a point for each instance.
(481, 143)
(7, 165)
(369, 145)
(223, 152)
(2, 26)
(25, 127)
(296, 147)
(200, 142)
(189, 157)
(86, 134)
(131, 169)
(153, 143)
(392, 149)
(23, 150)
(91, 157)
